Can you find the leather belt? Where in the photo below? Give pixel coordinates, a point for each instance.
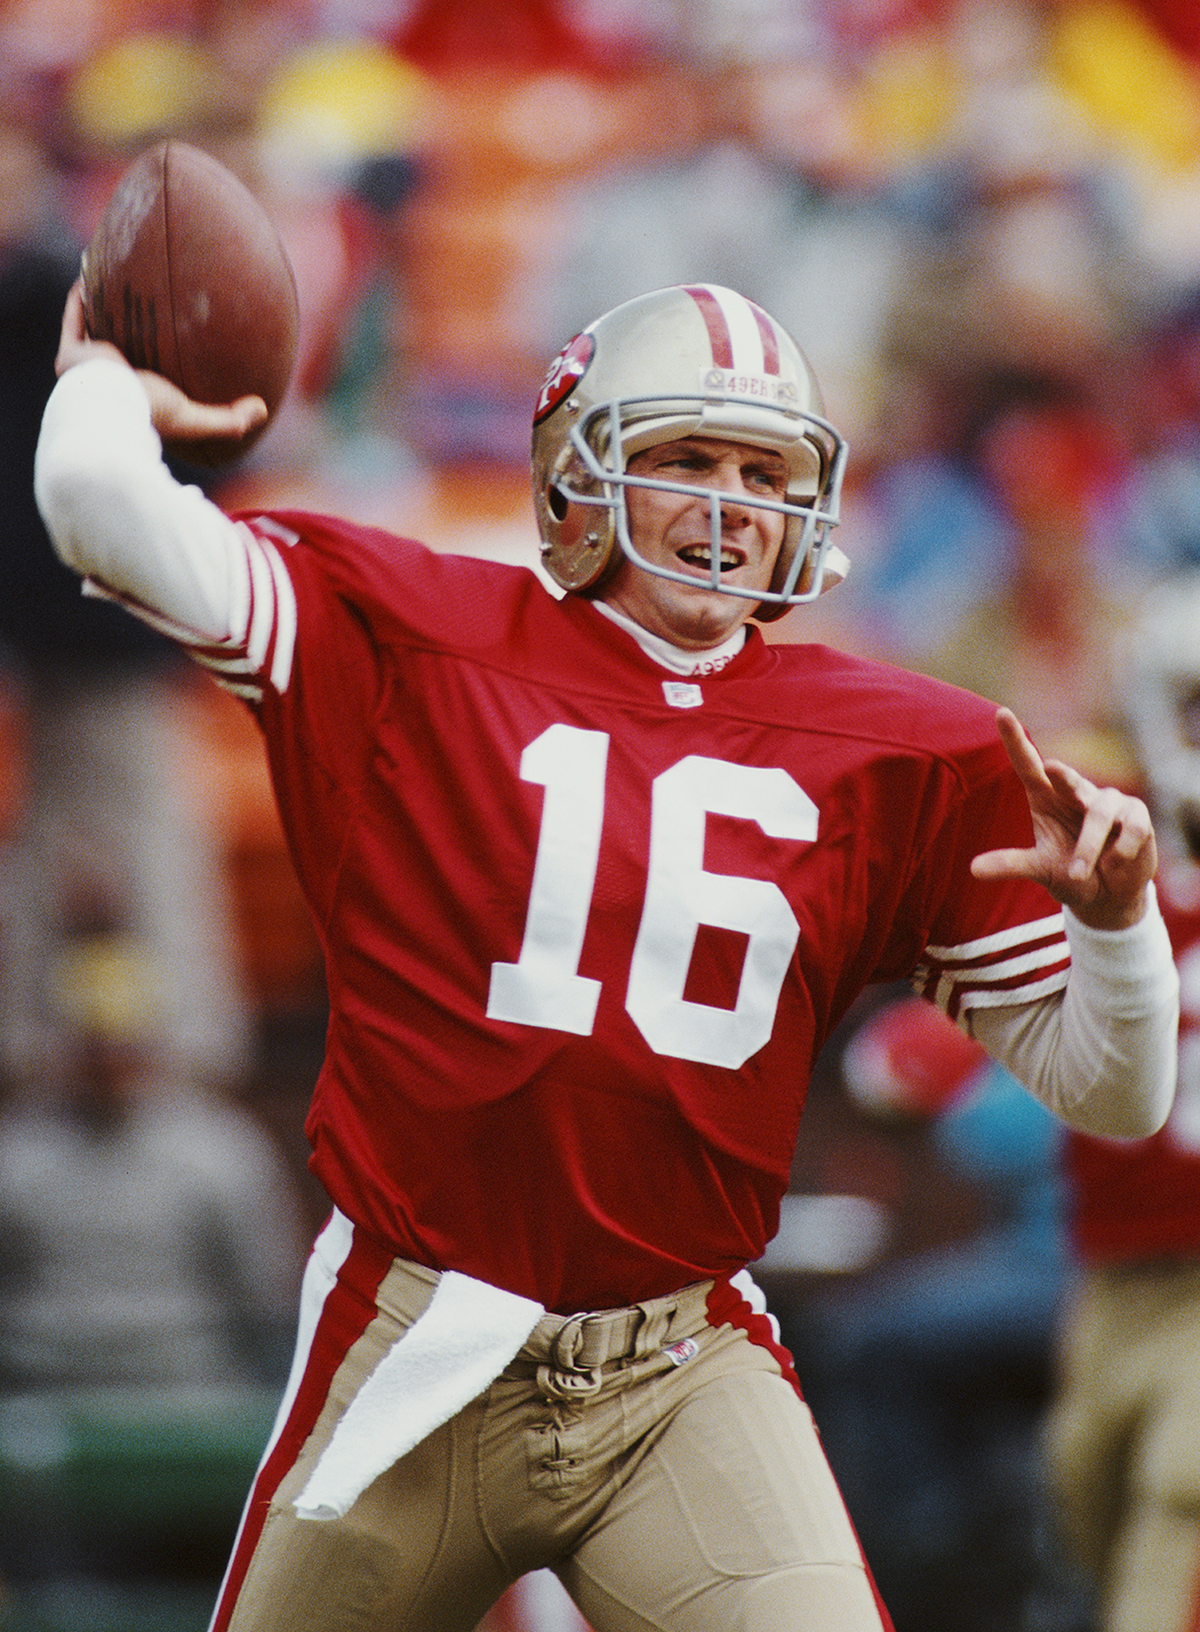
(584, 1342)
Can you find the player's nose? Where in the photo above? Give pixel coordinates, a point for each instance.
(728, 488)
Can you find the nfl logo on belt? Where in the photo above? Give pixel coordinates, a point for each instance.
(683, 1350)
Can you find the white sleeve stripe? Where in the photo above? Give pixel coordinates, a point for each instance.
(990, 974)
(262, 605)
(270, 641)
(1001, 941)
(242, 683)
(954, 998)
(235, 664)
(275, 529)
(241, 588)
(286, 619)
(248, 693)
(265, 651)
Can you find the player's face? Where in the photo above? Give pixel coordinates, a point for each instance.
(674, 530)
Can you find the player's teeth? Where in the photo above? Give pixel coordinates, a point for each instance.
(702, 558)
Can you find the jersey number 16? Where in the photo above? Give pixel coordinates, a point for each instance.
(544, 986)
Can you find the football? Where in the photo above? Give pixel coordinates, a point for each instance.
(187, 275)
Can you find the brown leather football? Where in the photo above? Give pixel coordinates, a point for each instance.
(187, 275)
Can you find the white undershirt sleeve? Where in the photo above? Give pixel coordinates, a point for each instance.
(1102, 1053)
(117, 516)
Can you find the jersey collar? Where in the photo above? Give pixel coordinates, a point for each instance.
(674, 657)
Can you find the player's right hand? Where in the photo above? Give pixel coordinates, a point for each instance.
(175, 416)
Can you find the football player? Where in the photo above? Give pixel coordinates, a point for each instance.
(1124, 1430)
(596, 873)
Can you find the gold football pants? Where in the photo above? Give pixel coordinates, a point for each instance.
(676, 1485)
(1123, 1442)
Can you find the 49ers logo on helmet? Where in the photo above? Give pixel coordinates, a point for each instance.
(564, 373)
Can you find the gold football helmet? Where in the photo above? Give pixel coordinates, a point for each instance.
(694, 360)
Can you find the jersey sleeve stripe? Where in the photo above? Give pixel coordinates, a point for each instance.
(261, 644)
(271, 630)
(1046, 929)
(285, 621)
(1016, 965)
(955, 997)
(1000, 971)
(250, 691)
(267, 649)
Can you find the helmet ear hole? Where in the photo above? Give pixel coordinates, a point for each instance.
(557, 502)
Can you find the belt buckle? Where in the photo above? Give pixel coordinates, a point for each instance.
(587, 1341)
(568, 1345)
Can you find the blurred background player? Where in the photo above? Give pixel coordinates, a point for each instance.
(930, 1366)
(150, 1251)
(1124, 1432)
(1105, 1322)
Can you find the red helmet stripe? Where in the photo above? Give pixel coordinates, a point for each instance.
(770, 340)
(736, 325)
(719, 336)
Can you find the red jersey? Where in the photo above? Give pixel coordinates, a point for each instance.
(1141, 1200)
(587, 924)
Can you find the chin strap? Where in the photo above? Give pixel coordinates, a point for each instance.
(836, 566)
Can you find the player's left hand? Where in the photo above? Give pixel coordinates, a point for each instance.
(1093, 849)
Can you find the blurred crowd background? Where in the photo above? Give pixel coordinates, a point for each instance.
(981, 220)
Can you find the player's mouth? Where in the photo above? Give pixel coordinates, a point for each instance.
(700, 557)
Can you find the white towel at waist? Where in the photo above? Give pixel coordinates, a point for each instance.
(452, 1351)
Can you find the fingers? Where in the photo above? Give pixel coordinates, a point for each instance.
(996, 864)
(235, 421)
(1114, 827)
(179, 418)
(1093, 814)
(1026, 760)
(252, 412)
(1094, 848)
(74, 342)
(73, 333)
(191, 419)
